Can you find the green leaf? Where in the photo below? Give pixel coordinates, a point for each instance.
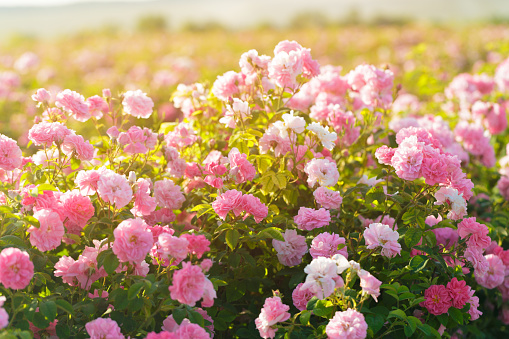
(179, 314)
(273, 233)
(456, 314)
(321, 309)
(414, 216)
(45, 187)
(195, 318)
(305, 316)
(134, 290)
(413, 322)
(202, 209)
(375, 322)
(443, 318)
(111, 263)
(232, 238)
(12, 240)
(40, 320)
(311, 303)
(412, 237)
(63, 331)
(418, 262)
(49, 309)
(428, 330)
(64, 305)
(397, 314)
(430, 238)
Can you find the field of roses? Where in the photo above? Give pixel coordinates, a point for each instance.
(335, 183)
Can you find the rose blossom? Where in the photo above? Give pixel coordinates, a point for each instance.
(241, 170)
(114, 188)
(290, 251)
(188, 284)
(301, 297)
(101, 328)
(459, 292)
(168, 194)
(437, 299)
(382, 235)
(10, 154)
(321, 276)
(308, 218)
(74, 103)
(198, 244)
(77, 208)
(326, 245)
(369, 284)
(137, 104)
(321, 171)
(75, 145)
(133, 240)
(348, 324)
(48, 235)
(328, 198)
(495, 274)
(144, 204)
(230, 200)
(273, 312)
(253, 206)
(87, 181)
(4, 316)
(16, 269)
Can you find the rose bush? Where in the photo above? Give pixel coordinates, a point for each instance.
(293, 201)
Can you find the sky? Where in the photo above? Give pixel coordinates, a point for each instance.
(42, 3)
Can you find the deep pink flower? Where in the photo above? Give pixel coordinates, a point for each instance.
(326, 245)
(102, 328)
(301, 297)
(407, 159)
(137, 104)
(384, 155)
(290, 251)
(459, 292)
(273, 312)
(308, 218)
(348, 324)
(478, 233)
(188, 284)
(230, 200)
(198, 244)
(16, 269)
(48, 235)
(133, 240)
(437, 299)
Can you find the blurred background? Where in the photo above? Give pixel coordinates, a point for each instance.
(154, 45)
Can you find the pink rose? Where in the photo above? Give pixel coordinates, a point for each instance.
(459, 292)
(495, 274)
(290, 251)
(103, 328)
(301, 297)
(326, 245)
(308, 218)
(380, 235)
(437, 299)
(16, 269)
(369, 284)
(328, 198)
(133, 240)
(137, 104)
(273, 312)
(231, 200)
(348, 324)
(48, 235)
(74, 103)
(168, 194)
(11, 156)
(188, 284)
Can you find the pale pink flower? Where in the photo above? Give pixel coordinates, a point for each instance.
(284, 69)
(137, 140)
(170, 249)
(11, 156)
(407, 159)
(475, 256)
(241, 170)
(182, 135)
(437, 299)
(495, 274)
(455, 199)
(114, 188)
(503, 187)
(273, 312)
(137, 104)
(478, 233)
(290, 251)
(191, 331)
(384, 155)
(370, 285)
(231, 200)
(226, 85)
(380, 235)
(74, 103)
(41, 95)
(474, 304)
(16, 269)
(87, 181)
(188, 284)
(348, 324)
(48, 235)
(321, 171)
(328, 198)
(77, 208)
(502, 75)
(75, 145)
(144, 204)
(168, 194)
(327, 138)
(326, 245)
(273, 140)
(308, 218)
(238, 110)
(321, 276)
(209, 294)
(310, 67)
(97, 106)
(102, 328)
(133, 240)
(4, 316)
